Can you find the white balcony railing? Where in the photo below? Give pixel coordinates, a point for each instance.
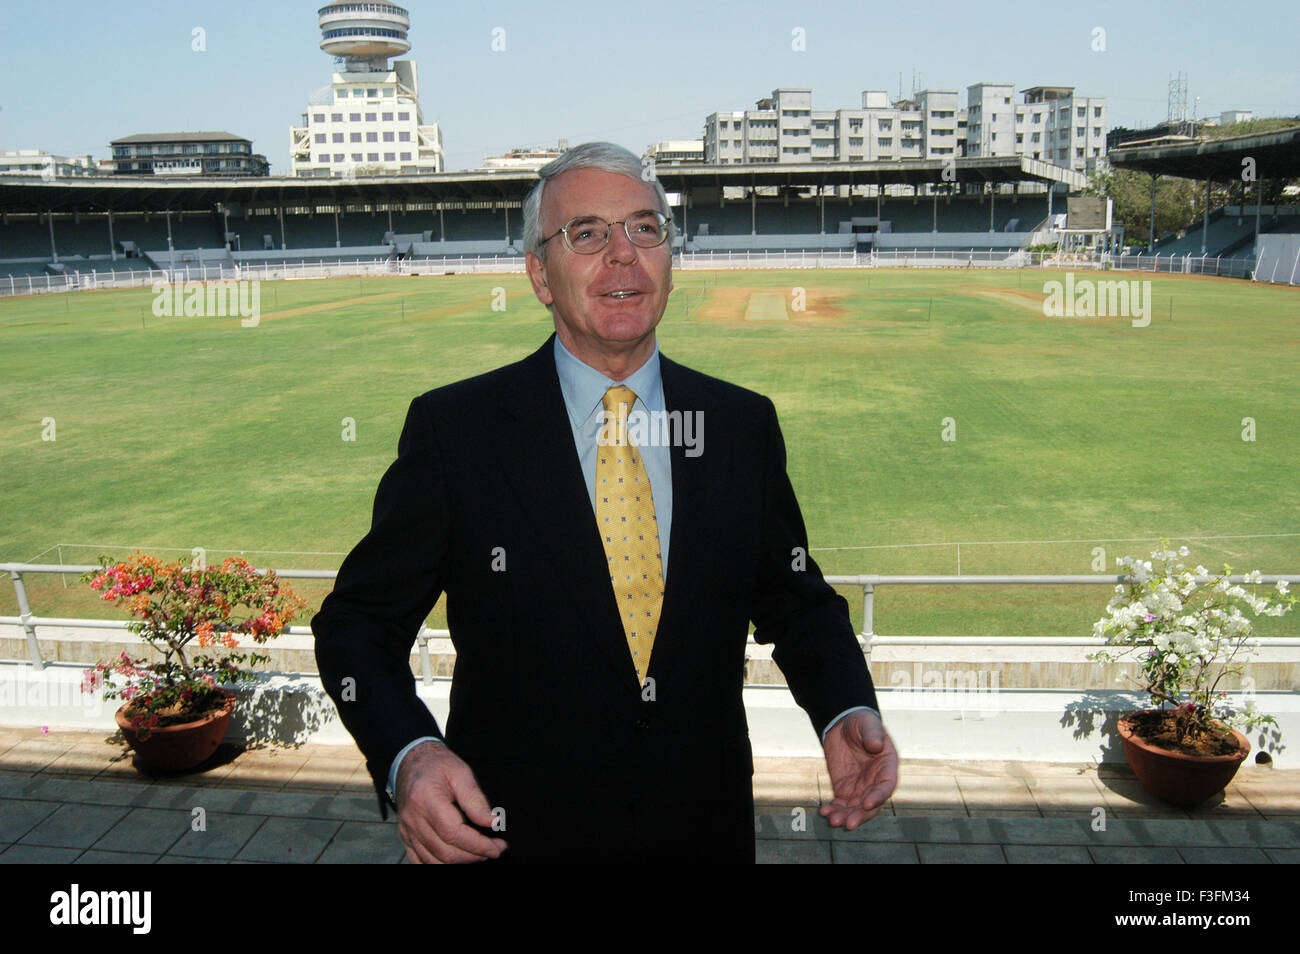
(868, 584)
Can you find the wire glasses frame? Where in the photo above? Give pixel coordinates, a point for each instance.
(589, 234)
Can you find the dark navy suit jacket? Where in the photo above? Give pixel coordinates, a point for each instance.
(545, 705)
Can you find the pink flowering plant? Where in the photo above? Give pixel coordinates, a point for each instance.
(1188, 631)
(173, 606)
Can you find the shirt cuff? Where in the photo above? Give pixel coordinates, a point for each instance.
(397, 763)
(836, 720)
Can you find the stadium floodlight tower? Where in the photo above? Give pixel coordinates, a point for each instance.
(364, 35)
(368, 121)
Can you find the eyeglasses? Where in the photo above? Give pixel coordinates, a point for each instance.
(588, 234)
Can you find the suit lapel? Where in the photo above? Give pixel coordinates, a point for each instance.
(689, 543)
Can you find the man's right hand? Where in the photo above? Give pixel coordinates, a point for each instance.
(434, 788)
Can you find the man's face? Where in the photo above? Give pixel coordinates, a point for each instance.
(589, 321)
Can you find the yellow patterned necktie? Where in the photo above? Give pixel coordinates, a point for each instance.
(625, 515)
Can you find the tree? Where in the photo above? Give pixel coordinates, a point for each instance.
(1178, 201)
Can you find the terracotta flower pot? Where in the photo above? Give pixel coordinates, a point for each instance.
(1183, 780)
(175, 748)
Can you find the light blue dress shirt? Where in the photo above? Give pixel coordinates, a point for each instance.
(583, 388)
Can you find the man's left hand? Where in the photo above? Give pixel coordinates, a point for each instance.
(863, 765)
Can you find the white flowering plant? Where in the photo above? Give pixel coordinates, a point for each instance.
(1187, 630)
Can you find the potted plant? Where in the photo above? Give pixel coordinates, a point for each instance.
(1187, 631)
(176, 709)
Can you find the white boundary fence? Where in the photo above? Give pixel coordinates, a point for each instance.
(14, 285)
(1186, 264)
(260, 271)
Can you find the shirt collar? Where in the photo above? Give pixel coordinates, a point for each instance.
(584, 387)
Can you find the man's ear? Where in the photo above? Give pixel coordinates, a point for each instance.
(537, 275)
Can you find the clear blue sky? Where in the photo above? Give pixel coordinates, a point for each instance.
(659, 68)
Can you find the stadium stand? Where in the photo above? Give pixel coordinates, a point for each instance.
(23, 237)
(480, 216)
(1268, 224)
(1231, 230)
(1223, 232)
(963, 214)
(480, 225)
(88, 235)
(19, 268)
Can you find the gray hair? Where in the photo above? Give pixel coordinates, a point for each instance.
(590, 155)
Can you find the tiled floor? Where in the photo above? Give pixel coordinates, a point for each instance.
(68, 796)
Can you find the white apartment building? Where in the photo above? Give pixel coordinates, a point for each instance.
(785, 128)
(366, 124)
(38, 162)
(1051, 123)
(780, 122)
(368, 120)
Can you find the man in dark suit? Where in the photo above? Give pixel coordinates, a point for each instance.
(600, 631)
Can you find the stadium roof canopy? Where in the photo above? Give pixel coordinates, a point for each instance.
(912, 172)
(120, 193)
(1276, 155)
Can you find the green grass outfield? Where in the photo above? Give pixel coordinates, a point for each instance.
(188, 432)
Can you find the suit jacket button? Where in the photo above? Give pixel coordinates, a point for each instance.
(643, 723)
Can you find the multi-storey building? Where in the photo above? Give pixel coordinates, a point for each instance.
(785, 128)
(38, 162)
(187, 154)
(368, 121)
(672, 152)
(1051, 123)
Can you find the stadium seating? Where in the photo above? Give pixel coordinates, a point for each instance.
(1268, 224)
(1231, 231)
(23, 238)
(88, 238)
(1224, 231)
(21, 269)
(962, 214)
(904, 223)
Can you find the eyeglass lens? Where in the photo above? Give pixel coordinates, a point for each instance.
(588, 234)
